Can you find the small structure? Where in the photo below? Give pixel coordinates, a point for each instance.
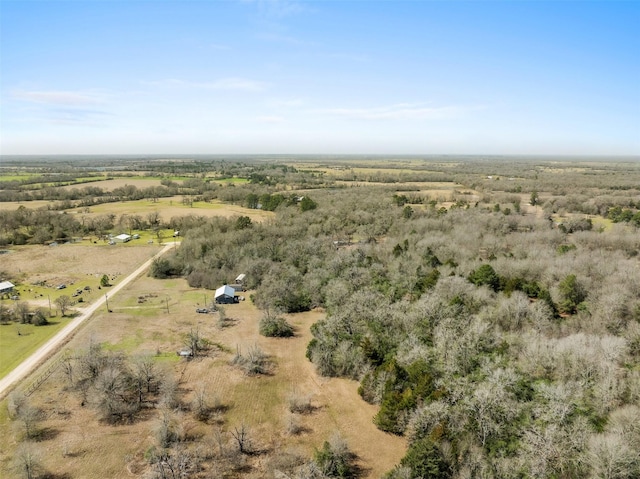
(123, 237)
(185, 353)
(240, 278)
(6, 287)
(225, 295)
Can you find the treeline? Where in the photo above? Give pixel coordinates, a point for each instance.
(500, 345)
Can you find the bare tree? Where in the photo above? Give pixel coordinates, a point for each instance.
(241, 435)
(144, 374)
(194, 341)
(169, 391)
(22, 312)
(200, 405)
(21, 410)
(63, 302)
(67, 367)
(26, 461)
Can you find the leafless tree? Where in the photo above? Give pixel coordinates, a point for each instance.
(242, 437)
(63, 302)
(26, 461)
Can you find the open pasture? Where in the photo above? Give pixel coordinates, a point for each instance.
(172, 207)
(38, 271)
(18, 341)
(153, 317)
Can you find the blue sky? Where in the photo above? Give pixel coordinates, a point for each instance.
(286, 76)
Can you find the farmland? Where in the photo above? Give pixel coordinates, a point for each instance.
(440, 310)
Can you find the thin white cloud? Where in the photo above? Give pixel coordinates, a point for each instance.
(232, 83)
(77, 117)
(58, 97)
(270, 119)
(401, 111)
(285, 103)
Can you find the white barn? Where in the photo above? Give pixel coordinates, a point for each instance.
(225, 295)
(6, 287)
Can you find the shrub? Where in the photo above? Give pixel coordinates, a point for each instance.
(275, 327)
(425, 460)
(485, 275)
(254, 362)
(299, 403)
(335, 459)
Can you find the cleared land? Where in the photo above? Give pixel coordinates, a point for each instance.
(173, 207)
(27, 366)
(94, 450)
(42, 269)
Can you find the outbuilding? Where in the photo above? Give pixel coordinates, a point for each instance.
(6, 287)
(240, 278)
(225, 295)
(123, 237)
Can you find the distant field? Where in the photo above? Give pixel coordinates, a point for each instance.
(109, 185)
(173, 206)
(19, 177)
(14, 205)
(167, 207)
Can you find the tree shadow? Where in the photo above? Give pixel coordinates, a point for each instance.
(46, 434)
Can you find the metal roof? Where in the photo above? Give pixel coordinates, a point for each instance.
(225, 290)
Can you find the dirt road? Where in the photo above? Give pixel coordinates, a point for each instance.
(33, 361)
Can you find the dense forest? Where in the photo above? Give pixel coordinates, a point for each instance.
(502, 343)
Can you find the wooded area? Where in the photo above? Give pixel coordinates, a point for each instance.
(496, 323)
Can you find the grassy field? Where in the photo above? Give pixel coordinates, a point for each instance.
(41, 269)
(80, 446)
(173, 206)
(15, 177)
(18, 341)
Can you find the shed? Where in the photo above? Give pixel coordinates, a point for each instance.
(225, 295)
(123, 237)
(240, 278)
(6, 287)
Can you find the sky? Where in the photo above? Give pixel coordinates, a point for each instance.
(320, 77)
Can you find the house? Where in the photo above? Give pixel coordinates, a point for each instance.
(225, 295)
(123, 237)
(6, 287)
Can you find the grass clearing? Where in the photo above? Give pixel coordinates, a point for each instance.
(96, 450)
(173, 207)
(16, 177)
(19, 341)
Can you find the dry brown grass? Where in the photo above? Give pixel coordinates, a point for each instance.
(82, 447)
(74, 262)
(172, 207)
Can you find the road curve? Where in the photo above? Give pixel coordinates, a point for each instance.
(32, 362)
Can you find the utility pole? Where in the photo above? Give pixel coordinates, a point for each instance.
(167, 300)
(106, 298)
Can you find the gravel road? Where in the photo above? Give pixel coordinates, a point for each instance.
(32, 362)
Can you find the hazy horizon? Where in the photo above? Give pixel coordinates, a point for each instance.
(288, 77)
